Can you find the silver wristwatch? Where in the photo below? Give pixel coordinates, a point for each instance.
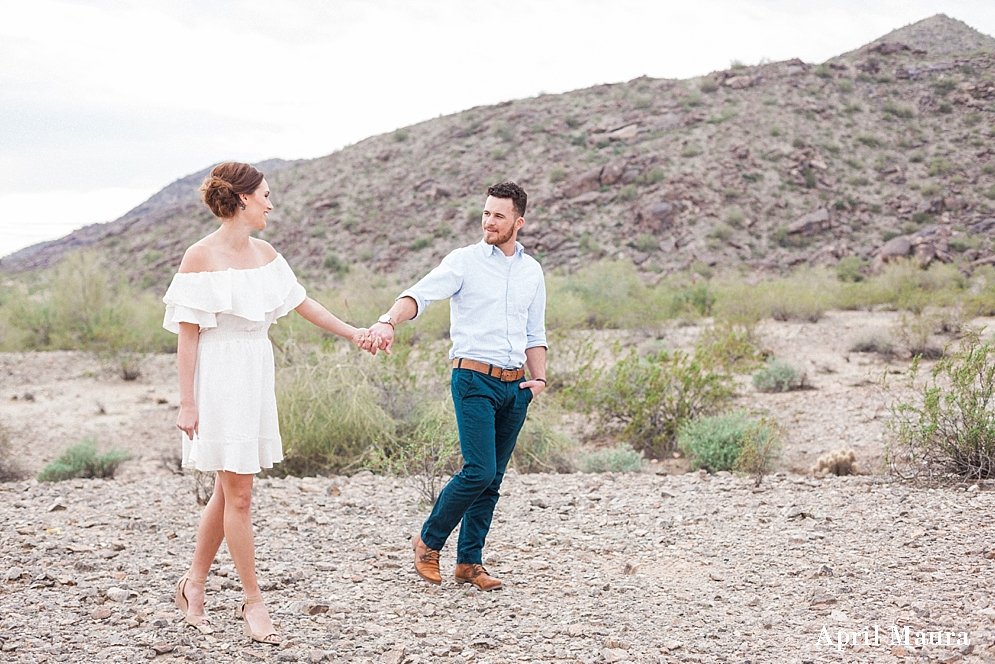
(386, 320)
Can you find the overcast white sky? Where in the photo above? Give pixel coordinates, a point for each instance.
(103, 102)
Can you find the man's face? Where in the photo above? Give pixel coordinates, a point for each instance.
(500, 223)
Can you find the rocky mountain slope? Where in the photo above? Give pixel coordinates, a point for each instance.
(763, 167)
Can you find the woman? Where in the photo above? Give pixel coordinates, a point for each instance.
(230, 288)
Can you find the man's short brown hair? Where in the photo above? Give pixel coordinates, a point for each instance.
(519, 199)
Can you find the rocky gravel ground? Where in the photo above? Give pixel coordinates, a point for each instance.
(598, 568)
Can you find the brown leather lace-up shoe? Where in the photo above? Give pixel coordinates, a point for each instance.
(477, 575)
(426, 561)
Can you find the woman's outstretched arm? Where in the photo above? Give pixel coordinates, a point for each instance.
(325, 319)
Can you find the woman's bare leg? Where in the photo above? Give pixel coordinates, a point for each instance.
(210, 533)
(241, 545)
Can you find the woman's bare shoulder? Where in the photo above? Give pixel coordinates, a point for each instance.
(198, 257)
(265, 249)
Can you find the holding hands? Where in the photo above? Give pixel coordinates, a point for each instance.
(380, 336)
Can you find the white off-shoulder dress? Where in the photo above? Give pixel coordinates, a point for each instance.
(234, 381)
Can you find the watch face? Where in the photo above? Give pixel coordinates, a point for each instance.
(384, 319)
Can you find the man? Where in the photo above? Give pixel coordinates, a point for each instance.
(497, 324)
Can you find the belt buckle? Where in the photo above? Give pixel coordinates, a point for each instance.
(508, 375)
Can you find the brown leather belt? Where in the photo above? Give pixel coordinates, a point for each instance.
(504, 375)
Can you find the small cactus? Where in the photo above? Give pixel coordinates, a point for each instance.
(841, 462)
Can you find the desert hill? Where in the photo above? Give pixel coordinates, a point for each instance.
(761, 167)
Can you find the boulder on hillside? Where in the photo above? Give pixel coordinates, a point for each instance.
(830, 254)
(625, 133)
(612, 172)
(586, 181)
(811, 223)
(592, 180)
(655, 218)
(925, 246)
(741, 82)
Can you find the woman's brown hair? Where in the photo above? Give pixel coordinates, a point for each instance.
(222, 187)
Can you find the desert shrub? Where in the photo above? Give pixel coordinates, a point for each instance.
(541, 448)
(898, 110)
(82, 460)
(10, 469)
(946, 429)
(913, 332)
(628, 192)
(869, 140)
(735, 217)
(759, 449)
(805, 296)
(778, 376)
(607, 294)
(697, 298)
(428, 455)
(330, 416)
(851, 269)
(730, 348)
(841, 462)
(334, 264)
(718, 442)
(708, 85)
(648, 399)
(939, 167)
(619, 459)
(873, 343)
(558, 174)
(80, 305)
(647, 243)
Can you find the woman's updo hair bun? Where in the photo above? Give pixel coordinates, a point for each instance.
(221, 189)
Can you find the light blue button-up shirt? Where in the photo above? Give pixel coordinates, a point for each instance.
(498, 303)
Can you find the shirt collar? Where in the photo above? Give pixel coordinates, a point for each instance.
(490, 249)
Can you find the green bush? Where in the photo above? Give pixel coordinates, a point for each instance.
(939, 167)
(82, 460)
(620, 459)
(80, 305)
(648, 399)
(778, 376)
(898, 111)
(608, 294)
(851, 269)
(731, 441)
(335, 264)
(946, 430)
(760, 449)
(330, 417)
(728, 347)
(628, 192)
(558, 174)
(647, 243)
(698, 298)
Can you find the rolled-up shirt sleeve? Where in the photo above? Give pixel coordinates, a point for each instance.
(442, 282)
(535, 327)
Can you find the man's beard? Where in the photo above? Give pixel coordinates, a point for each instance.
(501, 239)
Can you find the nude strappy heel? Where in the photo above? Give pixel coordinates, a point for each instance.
(201, 622)
(271, 638)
